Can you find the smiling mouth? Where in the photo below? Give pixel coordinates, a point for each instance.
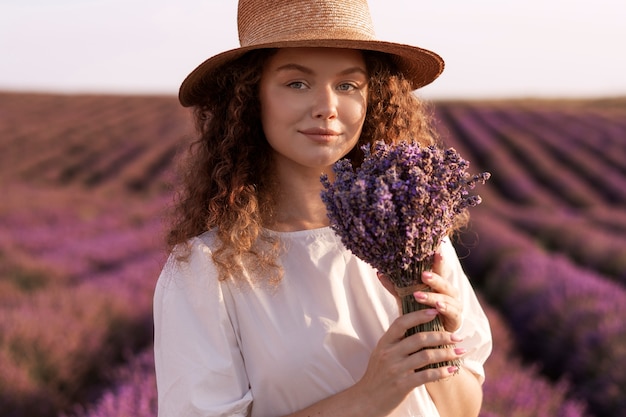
(320, 134)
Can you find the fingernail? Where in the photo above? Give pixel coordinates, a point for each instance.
(427, 275)
(453, 369)
(460, 351)
(431, 312)
(456, 338)
(420, 295)
(441, 306)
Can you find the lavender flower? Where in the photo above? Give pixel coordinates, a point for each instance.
(394, 210)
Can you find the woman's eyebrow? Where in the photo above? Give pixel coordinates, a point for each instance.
(307, 70)
(295, 67)
(353, 70)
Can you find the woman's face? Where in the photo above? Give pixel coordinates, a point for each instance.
(313, 104)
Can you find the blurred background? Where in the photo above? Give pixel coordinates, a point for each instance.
(507, 48)
(91, 131)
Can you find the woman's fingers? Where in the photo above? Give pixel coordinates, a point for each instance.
(390, 373)
(425, 340)
(406, 345)
(450, 309)
(435, 281)
(400, 325)
(443, 298)
(432, 356)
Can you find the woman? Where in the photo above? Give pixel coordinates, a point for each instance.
(260, 310)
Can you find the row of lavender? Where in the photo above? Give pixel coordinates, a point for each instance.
(84, 187)
(552, 252)
(80, 248)
(539, 156)
(77, 277)
(590, 146)
(526, 193)
(565, 318)
(514, 388)
(93, 141)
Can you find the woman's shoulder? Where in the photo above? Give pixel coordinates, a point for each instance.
(204, 242)
(207, 239)
(191, 261)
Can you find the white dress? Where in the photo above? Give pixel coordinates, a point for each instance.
(223, 349)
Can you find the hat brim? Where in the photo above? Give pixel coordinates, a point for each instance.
(420, 66)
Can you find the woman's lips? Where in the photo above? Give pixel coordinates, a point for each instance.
(320, 134)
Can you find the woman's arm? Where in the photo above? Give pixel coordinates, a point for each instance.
(461, 395)
(458, 396)
(390, 374)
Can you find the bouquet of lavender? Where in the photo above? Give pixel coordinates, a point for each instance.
(394, 210)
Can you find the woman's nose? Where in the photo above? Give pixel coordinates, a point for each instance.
(325, 104)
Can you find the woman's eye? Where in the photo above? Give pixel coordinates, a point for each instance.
(347, 87)
(298, 85)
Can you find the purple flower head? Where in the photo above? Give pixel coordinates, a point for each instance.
(394, 210)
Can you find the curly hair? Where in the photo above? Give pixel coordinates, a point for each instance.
(226, 186)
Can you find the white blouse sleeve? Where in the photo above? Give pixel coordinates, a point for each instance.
(474, 329)
(199, 368)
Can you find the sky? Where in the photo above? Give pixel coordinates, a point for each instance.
(492, 48)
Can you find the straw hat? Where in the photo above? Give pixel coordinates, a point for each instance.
(309, 23)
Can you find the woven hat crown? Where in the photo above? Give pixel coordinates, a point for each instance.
(308, 23)
(267, 21)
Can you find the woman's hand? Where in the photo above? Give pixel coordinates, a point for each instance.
(391, 375)
(443, 298)
(391, 371)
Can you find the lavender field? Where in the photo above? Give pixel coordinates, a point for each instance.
(86, 183)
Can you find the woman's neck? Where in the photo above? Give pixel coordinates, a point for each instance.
(298, 204)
